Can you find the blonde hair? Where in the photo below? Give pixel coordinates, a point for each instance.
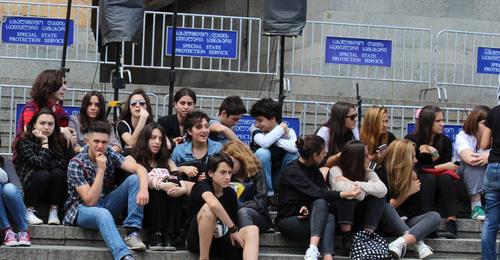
(398, 164)
(371, 130)
(250, 165)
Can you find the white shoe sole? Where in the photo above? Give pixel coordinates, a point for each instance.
(425, 256)
(12, 244)
(24, 243)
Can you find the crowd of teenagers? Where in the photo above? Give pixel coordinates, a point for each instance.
(193, 184)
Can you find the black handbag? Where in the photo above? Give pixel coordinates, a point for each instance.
(368, 246)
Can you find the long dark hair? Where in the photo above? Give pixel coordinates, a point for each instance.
(336, 127)
(310, 145)
(425, 122)
(126, 114)
(56, 140)
(84, 118)
(352, 161)
(46, 83)
(142, 153)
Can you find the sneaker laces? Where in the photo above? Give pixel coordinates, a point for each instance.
(10, 235)
(23, 235)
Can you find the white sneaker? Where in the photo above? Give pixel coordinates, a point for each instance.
(53, 218)
(31, 218)
(423, 250)
(312, 253)
(397, 248)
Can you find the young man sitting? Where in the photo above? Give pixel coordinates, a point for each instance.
(272, 141)
(93, 202)
(230, 111)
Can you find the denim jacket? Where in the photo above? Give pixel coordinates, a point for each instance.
(184, 152)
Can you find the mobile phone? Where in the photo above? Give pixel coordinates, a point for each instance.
(457, 163)
(372, 165)
(382, 147)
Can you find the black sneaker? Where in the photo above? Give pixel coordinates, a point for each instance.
(155, 242)
(451, 230)
(346, 243)
(168, 243)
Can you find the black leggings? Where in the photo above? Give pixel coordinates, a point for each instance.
(446, 190)
(367, 212)
(221, 247)
(163, 213)
(47, 186)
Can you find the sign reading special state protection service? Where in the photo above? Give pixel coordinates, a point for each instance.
(242, 128)
(35, 31)
(356, 51)
(488, 60)
(204, 43)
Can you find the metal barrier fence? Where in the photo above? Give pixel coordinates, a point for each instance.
(456, 57)
(84, 48)
(411, 52)
(256, 53)
(311, 114)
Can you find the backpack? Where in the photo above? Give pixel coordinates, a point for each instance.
(367, 246)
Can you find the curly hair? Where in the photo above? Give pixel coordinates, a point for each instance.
(250, 165)
(46, 83)
(56, 140)
(142, 153)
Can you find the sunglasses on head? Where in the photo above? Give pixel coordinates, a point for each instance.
(137, 102)
(352, 117)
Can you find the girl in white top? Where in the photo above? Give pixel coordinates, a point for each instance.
(473, 159)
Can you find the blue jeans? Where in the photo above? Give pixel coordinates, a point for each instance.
(102, 215)
(11, 199)
(272, 180)
(491, 189)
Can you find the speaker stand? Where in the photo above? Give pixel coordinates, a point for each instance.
(65, 42)
(171, 76)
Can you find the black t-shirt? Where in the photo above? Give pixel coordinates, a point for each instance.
(124, 126)
(493, 122)
(425, 159)
(390, 138)
(171, 126)
(228, 200)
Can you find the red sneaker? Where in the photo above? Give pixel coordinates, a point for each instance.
(24, 238)
(10, 238)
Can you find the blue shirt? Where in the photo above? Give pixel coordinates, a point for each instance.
(82, 171)
(184, 152)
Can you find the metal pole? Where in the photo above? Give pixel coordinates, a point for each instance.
(360, 103)
(282, 97)
(66, 34)
(172, 62)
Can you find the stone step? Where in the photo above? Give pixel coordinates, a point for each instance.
(55, 252)
(270, 242)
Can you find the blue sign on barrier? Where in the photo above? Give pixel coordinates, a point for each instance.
(35, 31)
(70, 110)
(204, 43)
(488, 60)
(242, 129)
(451, 131)
(370, 52)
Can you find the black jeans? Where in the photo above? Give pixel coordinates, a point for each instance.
(47, 186)
(163, 213)
(249, 216)
(446, 190)
(320, 223)
(367, 212)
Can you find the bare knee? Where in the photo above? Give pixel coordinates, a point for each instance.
(206, 214)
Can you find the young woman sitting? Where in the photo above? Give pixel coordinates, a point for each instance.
(93, 109)
(163, 214)
(42, 156)
(366, 209)
(403, 195)
(304, 200)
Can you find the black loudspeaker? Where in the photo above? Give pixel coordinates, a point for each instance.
(121, 20)
(284, 17)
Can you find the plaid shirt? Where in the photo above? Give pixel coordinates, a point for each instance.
(82, 171)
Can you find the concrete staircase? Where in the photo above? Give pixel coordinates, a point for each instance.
(64, 242)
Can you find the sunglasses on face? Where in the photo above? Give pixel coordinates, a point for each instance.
(352, 117)
(137, 102)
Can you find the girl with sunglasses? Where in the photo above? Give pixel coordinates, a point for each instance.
(93, 109)
(136, 114)
(338, 130)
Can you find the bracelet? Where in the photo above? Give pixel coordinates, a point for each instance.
(233, 229)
